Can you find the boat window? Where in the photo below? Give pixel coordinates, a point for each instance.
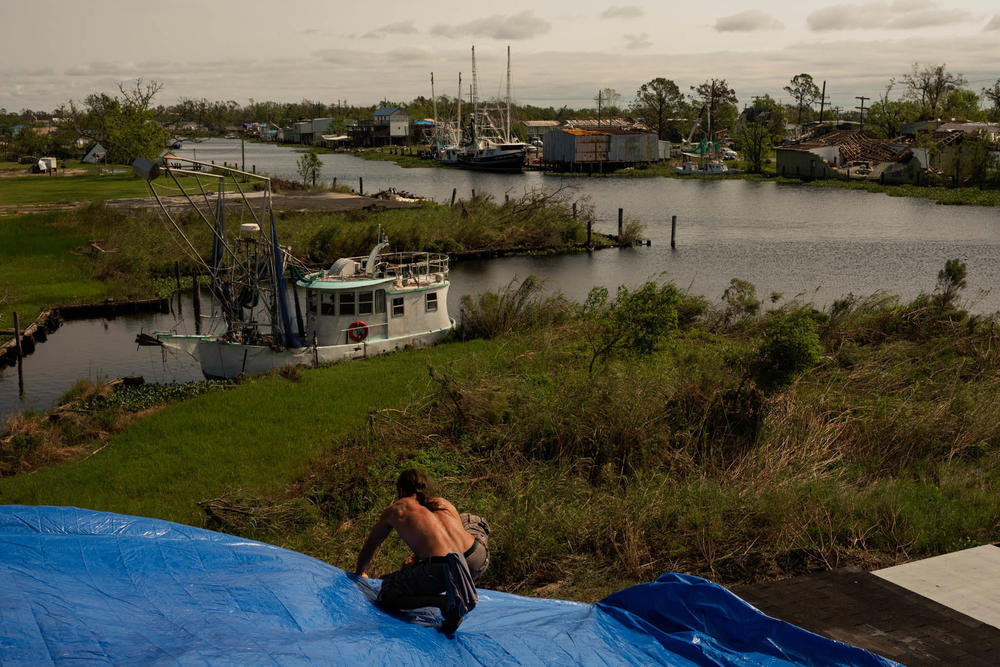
(311, 301)
(328, 305)
(347, 303)
(431, 302)
(380, 301)
(397, 306)
(365, 303)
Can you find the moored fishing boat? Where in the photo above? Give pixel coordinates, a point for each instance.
(358, 307)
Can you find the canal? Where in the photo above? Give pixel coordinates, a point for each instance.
(816, 244)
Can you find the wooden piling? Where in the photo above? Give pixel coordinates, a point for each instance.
(20, 354)
(506, 198)
(454, 191)
(473, 193)
(177, 274)
(590, 229)
(196, 299)
(254, 168)
(361, 185)
(574, 210)
(673, 231)
(621, 217)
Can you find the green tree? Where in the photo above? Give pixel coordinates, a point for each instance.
(886, 116)
(125, 125)
(931, 86)
(962, 104)
(308, 166)
(718, 102)
(993, 95)
(754, 142)
(804, 90)
(657, 104)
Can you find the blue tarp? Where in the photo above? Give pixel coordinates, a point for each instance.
(81, 586)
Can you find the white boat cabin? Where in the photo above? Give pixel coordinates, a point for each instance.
(377, 298)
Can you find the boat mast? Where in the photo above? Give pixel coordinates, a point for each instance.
(475, 99)
(458, 127)
(507, 129)
(437, 130)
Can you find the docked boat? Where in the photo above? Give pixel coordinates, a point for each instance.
(491, 145)
(355, 308)
(494, 157)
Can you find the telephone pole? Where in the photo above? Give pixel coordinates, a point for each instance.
(862, 109)
(822, 103)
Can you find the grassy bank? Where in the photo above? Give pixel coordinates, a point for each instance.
(41, 189)
(46, 259)
(605, 443)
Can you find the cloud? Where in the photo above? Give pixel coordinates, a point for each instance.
(994, 23)
(524, 25)
(623, 12)
(748, 21)
(637, 42)
(399, 28)
(928, 18)
(898, 15)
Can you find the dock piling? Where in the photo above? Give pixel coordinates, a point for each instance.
(361, 185)
(590, 229)
(621, 216)
(20, 355)
(454, 191)
(673, 231)
(574, 210)
(473, 193)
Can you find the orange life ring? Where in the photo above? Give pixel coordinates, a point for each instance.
(358, 331)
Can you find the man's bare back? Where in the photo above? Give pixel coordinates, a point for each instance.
(426, 532)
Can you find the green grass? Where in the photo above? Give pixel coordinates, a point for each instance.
(256, 438)
(596, 481)
(38, 268)
(42, 189)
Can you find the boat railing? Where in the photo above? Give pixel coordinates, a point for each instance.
(407, 264)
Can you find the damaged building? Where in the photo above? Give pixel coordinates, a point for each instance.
(848, 154)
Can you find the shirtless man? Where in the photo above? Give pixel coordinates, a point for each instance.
(446, 558)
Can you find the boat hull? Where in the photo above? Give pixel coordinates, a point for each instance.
(512, 161)
(221, 359)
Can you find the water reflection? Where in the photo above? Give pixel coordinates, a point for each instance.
(815, 242)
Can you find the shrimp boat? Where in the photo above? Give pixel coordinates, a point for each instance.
(358, 307)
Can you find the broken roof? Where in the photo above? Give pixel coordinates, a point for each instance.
(854, 146)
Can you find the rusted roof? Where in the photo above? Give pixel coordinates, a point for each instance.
(854, 146)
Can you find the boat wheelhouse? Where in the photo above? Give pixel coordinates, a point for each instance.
(380, 302)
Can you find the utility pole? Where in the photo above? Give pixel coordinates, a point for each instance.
(600, 94)
(862, 109)
(822, 103)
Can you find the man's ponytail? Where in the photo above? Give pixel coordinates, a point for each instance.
(413, 482)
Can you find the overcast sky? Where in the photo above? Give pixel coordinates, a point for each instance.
(562, 51)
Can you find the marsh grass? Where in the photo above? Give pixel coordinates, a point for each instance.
(886, 450)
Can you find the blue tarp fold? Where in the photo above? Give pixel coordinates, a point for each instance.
(81, 586)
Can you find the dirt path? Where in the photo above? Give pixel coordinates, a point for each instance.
(295, 201)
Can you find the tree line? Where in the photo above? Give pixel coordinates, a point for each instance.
(129, 124)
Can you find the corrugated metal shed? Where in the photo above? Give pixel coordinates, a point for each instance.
(633, 147)
(576, 146)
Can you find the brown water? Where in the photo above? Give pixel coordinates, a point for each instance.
(815, 242)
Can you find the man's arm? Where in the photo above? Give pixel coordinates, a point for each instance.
(379, 532)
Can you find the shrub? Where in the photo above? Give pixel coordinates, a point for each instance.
(635, 322)
(515, 307)
(790, 346)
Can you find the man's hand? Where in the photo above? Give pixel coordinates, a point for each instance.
(410, 560)
(364, 574)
